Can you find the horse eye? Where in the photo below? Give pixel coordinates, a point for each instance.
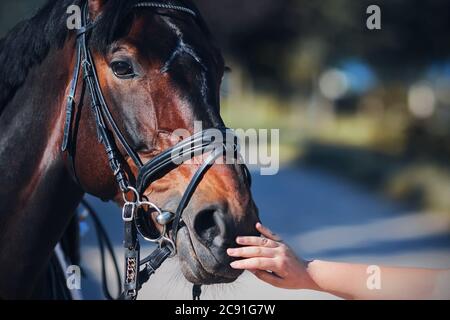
(122, 69)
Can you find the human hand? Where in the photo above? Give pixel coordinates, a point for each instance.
(272, 261)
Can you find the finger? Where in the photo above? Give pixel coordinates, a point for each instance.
(266, 232)
(256, 241)
(255, 263)
(269, 278)
(250, 252)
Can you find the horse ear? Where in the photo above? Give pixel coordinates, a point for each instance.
(95, 8)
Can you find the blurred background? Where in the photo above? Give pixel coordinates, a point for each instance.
(364, 119)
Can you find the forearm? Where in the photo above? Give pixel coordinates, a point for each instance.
(354, 281)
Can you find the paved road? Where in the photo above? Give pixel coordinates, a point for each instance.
(319, 216)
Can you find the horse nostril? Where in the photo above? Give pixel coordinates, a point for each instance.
(210, 227)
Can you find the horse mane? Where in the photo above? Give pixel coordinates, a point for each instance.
(30, 41)
(27, 45)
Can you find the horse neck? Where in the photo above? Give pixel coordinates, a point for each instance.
(37, 194)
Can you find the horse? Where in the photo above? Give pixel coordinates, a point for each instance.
(157, 69)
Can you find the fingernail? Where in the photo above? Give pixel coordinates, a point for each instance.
(233, 264)
(230, 251)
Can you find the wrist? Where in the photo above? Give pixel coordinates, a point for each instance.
(309, 281)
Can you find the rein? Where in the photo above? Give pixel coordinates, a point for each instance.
(134, 216)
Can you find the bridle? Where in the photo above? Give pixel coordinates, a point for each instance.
(134, 214)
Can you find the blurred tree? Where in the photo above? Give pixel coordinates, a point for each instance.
(263, 34)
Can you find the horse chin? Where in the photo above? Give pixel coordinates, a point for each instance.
(192, 264)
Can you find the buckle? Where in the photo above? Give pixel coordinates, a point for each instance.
(128, 211)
